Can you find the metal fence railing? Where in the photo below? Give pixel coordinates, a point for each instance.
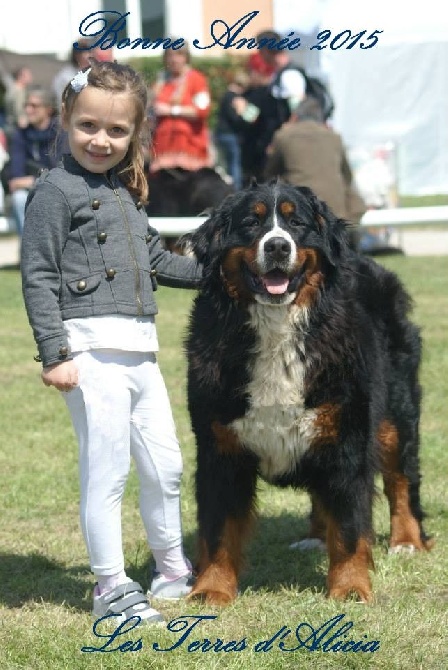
(400, 216)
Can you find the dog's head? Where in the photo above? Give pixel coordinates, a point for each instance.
(271, 243)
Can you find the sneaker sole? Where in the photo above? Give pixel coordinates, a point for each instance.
(155, 596)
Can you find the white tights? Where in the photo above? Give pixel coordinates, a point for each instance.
(121, 409)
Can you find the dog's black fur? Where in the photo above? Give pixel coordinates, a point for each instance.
(179, 192)
(303, 369)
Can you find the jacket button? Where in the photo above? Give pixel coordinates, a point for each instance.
(152, 273)
(95, 204)
(110, 273)
(139, 205)
(81, 285)
(63, 352)
(102, 237)
(148, 238)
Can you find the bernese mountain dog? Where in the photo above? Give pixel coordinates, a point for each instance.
(302, 370)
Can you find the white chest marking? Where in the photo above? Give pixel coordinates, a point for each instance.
(277, 427)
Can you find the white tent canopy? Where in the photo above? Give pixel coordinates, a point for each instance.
(395, 92)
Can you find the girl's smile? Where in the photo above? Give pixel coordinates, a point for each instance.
(100, 128)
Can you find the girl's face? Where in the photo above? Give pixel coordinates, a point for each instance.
(100, 128)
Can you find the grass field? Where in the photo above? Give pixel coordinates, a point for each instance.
(45, 584)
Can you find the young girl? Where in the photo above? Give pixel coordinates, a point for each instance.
(89, 268)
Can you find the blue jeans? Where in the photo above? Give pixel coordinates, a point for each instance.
(229, 144)
(18, 201)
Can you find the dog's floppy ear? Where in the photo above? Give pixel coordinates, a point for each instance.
(204, 243)
(331, 230)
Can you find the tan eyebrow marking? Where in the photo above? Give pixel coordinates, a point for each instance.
(287, 208)
(260, 209)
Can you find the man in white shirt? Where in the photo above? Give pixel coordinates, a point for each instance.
(275, 101)
(288, 83)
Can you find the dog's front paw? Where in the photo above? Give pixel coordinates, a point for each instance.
(411, 547)
(402, 549)
(361, 593)
(210, 597)
(215, 585)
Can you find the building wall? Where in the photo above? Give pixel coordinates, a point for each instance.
(43, 26)
(231, 11)
(183, 19)
(51, 26)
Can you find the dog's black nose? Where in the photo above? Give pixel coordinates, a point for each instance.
(278, 248)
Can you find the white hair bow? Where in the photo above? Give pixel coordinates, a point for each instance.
(80, 80)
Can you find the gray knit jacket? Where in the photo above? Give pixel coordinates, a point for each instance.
(87, 250)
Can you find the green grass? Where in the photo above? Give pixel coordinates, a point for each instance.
(424, 200)
(45, 584)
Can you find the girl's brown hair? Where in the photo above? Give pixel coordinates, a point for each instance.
(119, 78)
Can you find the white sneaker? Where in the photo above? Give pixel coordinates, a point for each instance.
(170, 589)
(125, 600)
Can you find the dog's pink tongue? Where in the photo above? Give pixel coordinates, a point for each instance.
(275, 284)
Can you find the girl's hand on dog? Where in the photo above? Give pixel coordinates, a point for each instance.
(63, 376)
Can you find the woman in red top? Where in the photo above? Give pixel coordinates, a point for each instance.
(181, 106)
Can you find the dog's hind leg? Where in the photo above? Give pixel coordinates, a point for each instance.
(398, 438)
(225, 488)
(401, 475)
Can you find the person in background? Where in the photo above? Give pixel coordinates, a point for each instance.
(288, 85)
(103, 55)
(256, 123)
(79, 59)
(15, 99)
(230, 124)
(3, 160)
(286, 88)
(2, 99)
(89, 267)
(180, 109)
(260, 72)
(32, 149)
(306, 152)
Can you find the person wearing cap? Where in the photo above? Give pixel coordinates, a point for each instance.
(254, 108)
(260, 71)
(279, 87)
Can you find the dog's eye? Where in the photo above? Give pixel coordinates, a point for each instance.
(295, 222)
